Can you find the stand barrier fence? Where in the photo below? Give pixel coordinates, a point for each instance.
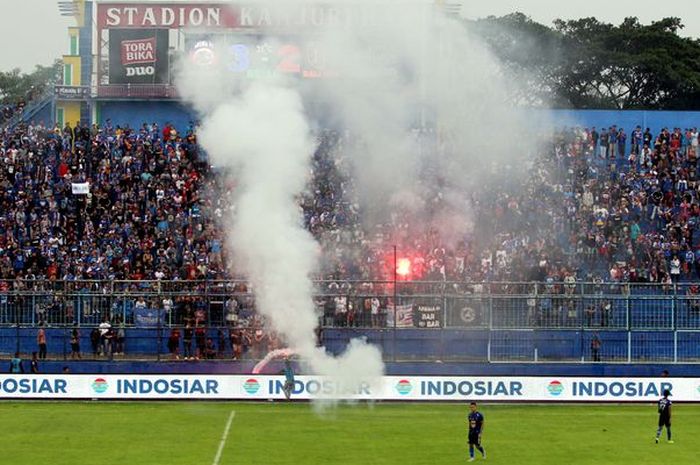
(496, 322)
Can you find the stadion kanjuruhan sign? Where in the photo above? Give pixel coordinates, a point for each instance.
(138, 56)
(166, 15)
(404, 388)
(220, 15)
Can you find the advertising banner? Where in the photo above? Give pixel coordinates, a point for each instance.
(72, 92)
(139, 56)
(404, 388)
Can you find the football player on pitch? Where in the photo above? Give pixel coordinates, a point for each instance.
(664, 409)
(476, 426)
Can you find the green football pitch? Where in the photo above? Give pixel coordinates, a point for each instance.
(195, 433)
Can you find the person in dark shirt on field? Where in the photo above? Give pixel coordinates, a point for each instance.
(34, 364)
(664, 409)
(475, 420)
(16, 364)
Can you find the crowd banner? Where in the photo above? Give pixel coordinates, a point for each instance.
(404, 316)
(428, 316)
(393, 388)
(80, 188)
(149, 317)
(465, 311)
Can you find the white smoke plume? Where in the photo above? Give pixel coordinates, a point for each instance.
(395, 66)
(435, 74)
(260, 130)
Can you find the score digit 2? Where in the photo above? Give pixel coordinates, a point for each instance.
(290, 59)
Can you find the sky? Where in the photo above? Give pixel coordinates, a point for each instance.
(33, 32)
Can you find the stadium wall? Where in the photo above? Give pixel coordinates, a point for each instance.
(412, 344)
(656, 120)
(392, 368)
(413, 349)
(442, 345)
(135, 113)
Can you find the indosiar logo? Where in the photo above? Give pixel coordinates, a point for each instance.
(404, 387)
(100, 385)
(251, 386)
(555, 388)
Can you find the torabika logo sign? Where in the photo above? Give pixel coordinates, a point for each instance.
(138, 56)
(138, 51)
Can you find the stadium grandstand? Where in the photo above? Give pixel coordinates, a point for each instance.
(188, 214)
(113, 236)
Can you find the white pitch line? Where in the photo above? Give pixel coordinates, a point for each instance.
(223, 438)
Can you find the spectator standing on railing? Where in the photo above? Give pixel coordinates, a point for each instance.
(200, 337)
(109, 342)
(75, 342)
(595, 348)
(376, 321)
(209, 349)
(236, 337)
(188, 335)
(105, 337)
(174, 343)
(612, 141)
(95, 336)
(604, 139)
(621, 143)
(221, 343)
(120, 336)
(168, 306)
(41, 342)
(637, 140)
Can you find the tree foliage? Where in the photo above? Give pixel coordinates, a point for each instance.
(587, 63)
(16, 86)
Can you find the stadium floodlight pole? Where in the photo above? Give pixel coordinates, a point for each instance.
(68, 8)
(393, 350)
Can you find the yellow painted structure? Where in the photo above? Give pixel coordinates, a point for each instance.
(68, 111)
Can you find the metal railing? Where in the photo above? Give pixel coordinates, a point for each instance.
(31, 109)
(137, 91)
(619, 322)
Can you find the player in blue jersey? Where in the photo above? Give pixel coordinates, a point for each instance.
(16, 364)
(288, 379)
(475, 420)
(664, 409)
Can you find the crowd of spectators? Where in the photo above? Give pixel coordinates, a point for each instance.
(142, 218)
(634, 209)
(593, 205)
(9, 111)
